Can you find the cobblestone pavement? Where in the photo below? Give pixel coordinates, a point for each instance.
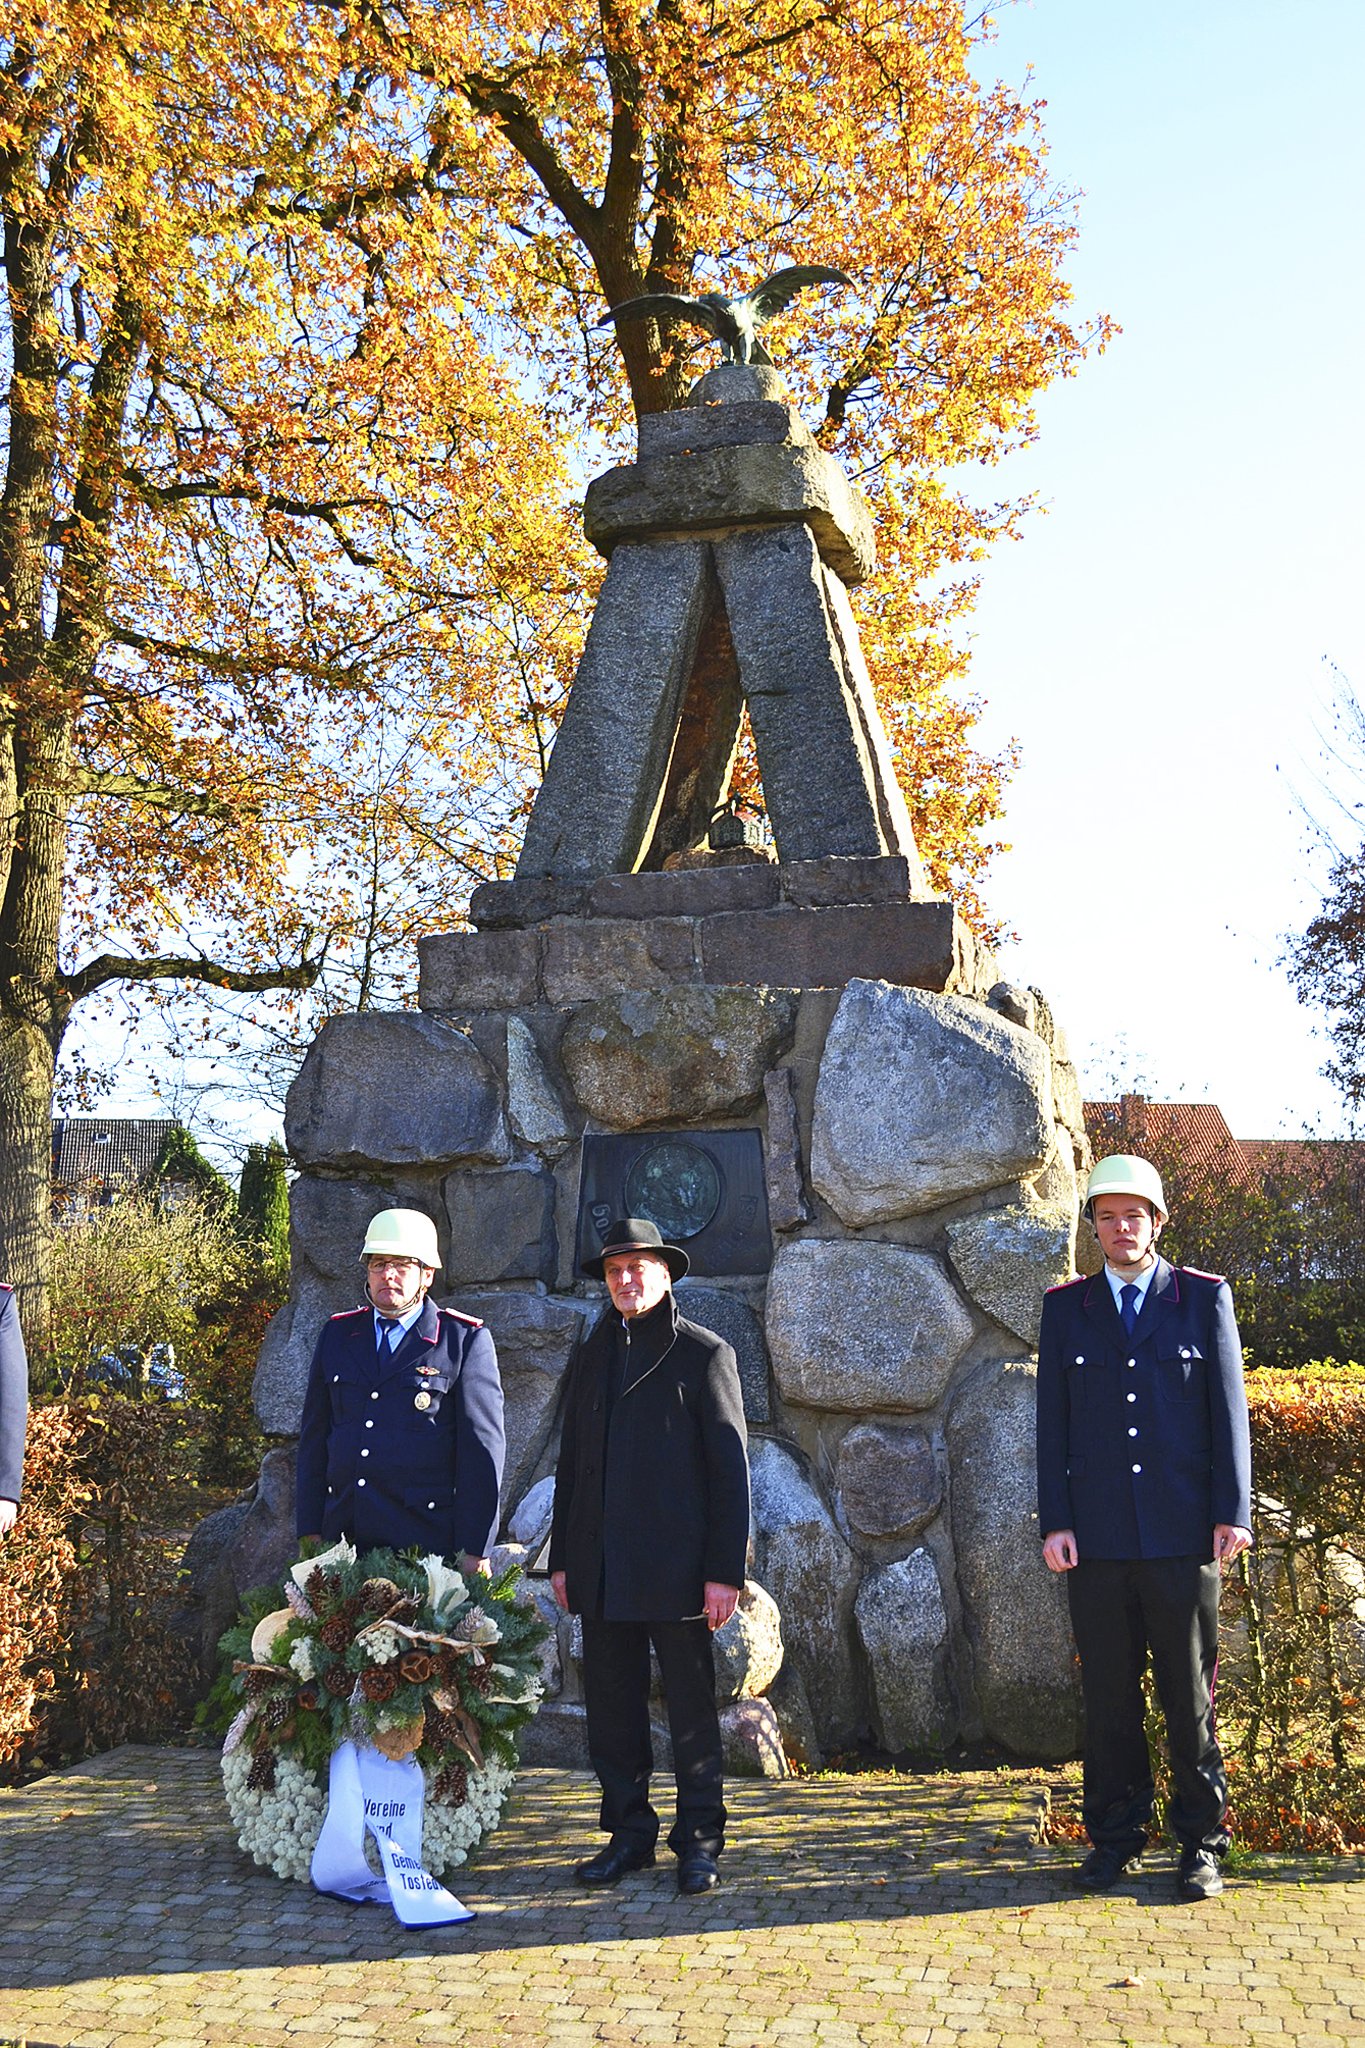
(855, 1910)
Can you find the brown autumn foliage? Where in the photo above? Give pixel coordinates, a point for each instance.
(299, 308)
(86, 1657)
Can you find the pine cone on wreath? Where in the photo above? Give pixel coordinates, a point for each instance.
(261, 1776)
(451, 1785)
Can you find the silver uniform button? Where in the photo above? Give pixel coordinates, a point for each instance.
(431, 1503)
(374, 1396)
(336, 1376)
(364, 1454)
(422, 1400)
(1131, 1363)
(1136, 1468)
(360, 1482)
(1080, 1361)
(1132, 1397)
(1132, 1432)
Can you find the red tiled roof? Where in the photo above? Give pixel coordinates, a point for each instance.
(1202, 1134)
(1199, 1128)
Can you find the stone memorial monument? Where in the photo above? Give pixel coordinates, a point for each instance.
(802, 1067)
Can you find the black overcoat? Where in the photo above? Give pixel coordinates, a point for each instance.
(403, 1449)
(654, 1508)
(13, 1398)
(1143, 1443)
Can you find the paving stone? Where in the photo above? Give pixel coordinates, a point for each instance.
(856, 1911)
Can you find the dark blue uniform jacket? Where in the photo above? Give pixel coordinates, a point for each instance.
(403, 1449)
(1143, 1443)
(13, 1398)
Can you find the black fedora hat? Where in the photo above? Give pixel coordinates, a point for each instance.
(636, 1234)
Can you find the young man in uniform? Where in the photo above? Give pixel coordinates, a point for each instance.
(401, 1444)
(1144, 1497)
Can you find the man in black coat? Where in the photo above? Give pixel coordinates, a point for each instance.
(650, 1536)
(1144, 1496)
(401, 1444)
(13, 1409)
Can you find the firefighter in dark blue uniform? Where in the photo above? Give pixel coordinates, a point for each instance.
(402, 1437)
(1144, 1496)
(13, 1409)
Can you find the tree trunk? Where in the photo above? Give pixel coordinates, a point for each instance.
(33, 1011)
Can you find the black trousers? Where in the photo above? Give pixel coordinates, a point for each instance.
(616, 1693)
(1122, 1609)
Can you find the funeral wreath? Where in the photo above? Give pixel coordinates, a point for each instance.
(400, 1654)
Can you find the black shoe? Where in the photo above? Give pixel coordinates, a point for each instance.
(1104, 1867)
(1200, 1876)
(613, 1863)
(697, 1872)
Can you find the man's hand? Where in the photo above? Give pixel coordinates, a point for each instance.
(1229, 1542)
(720, 1603)
(560, 1583)
(8, 1510)
(1059, 1550)
(476, 1567)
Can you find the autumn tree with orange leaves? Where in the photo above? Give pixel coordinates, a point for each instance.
(301, 380)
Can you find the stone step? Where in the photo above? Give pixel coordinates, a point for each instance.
(787, 945)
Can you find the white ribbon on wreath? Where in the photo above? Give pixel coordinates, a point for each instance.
(369, 1792)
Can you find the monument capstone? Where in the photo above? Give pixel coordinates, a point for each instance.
(804, 1066)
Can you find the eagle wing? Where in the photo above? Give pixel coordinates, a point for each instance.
(666, 306)
(777, 291)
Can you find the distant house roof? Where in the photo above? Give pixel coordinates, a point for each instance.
(107, 1152)
(1203, 1136)
(1198, 1129)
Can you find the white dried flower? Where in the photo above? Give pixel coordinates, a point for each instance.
(341, 1553)
(445, 1587)
(381, 1644)
(301, 1658)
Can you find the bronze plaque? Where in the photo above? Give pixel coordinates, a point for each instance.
(704, 1189)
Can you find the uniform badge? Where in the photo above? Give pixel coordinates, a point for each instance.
(422, 1400)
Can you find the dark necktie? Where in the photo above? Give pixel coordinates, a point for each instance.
(1128, 1306)
(387, 1339)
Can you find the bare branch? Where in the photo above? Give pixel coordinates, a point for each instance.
(107, 967)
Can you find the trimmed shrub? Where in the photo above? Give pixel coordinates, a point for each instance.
(86, 1658)
(1293, 1680)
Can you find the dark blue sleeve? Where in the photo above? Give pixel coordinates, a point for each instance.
(1230, 1433)
(311, 1483)
(13, 1399)
(479, 1446)
(1054, 1494)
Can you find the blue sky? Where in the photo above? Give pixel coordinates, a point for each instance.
(1158, 640)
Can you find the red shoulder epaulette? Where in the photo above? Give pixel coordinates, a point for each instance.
(1060, 1286)
(1198, 1273)
(342, 1314)
(5, 1287)
(474, 1322)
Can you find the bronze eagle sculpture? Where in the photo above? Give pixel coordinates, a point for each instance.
(735, 323)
